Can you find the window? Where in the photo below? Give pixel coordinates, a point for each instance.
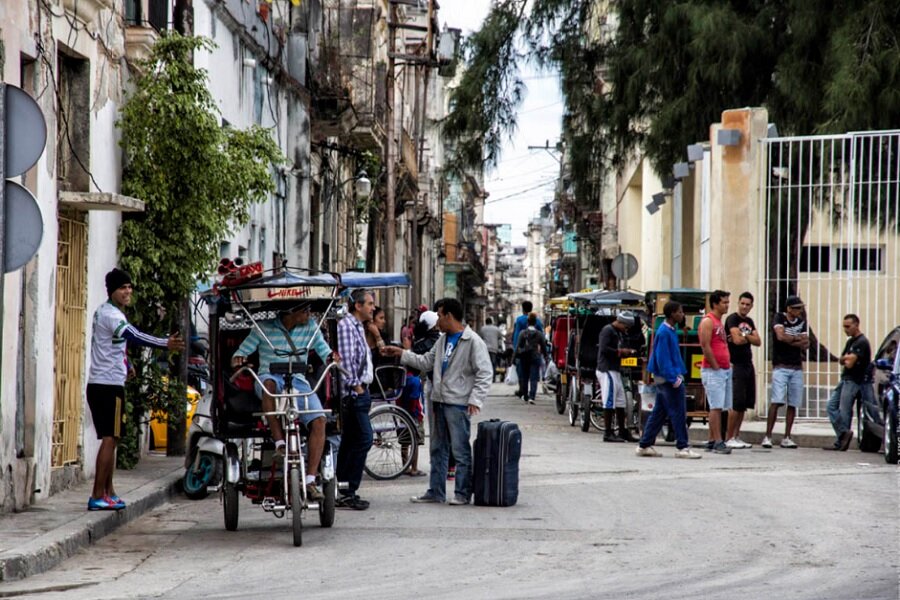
(831, 259)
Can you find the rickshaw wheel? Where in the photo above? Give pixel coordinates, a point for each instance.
(230, 503)
(586, 416)
(573, 413)
(326, 506)
(296, 510)
(562, 392)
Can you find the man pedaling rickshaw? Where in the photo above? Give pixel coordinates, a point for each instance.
(292, 330)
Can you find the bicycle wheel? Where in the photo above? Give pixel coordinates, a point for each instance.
(296, 504)
(394, 442)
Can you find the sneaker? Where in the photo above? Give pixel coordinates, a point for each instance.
(788, 443)
(834, 447)
(458, 501)
(531, 401)
(313, 493)
(767, 442)
(354, 502)
(101, 504)
(687, 453)
(611, 437)
(721, 448)
(735, 444)
(117, 501)
(426, 498)
(710, 445)
(648, 451)
(451, 474)
(743, 443)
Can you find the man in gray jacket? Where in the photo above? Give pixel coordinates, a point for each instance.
(462, 378)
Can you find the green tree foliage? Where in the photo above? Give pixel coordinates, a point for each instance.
(197, 179)
(650, 76)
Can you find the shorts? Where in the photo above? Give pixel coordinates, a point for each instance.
(787, 386)
(612, 392)
(107, 404)
(743, 387)
(304, 403)
(718, 386)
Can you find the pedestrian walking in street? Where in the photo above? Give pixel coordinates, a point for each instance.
(715, 370)
(356, 433)
(610, 350)
(530, 352)
(274, 338)
(855, 358)
(462, 380)
(521, 325)
(788, 352)
(668, 372)
(742, 334)
(490, 333)
(110, 335)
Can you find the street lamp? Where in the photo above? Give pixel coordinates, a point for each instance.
(363, 184)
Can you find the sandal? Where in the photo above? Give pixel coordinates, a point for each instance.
(415, 473)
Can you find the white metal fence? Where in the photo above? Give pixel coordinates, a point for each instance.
(829, 208)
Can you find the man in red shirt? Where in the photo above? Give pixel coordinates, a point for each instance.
(715, 371)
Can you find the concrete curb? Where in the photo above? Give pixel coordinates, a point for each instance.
(50, 549)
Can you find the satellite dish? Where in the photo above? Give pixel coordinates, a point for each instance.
(624, 266)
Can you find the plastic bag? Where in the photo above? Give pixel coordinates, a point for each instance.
(512, 378)
(552, 372)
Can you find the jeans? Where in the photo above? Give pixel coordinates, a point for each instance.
(356, 439)
(529, 377)
(670, 402)
(787, 386)
(840, 405)
(718, 385)
(452, 428)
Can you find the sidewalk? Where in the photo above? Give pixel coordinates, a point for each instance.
(52, 530)
(806, 434)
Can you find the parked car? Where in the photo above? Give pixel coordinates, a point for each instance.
(159, 427)
(874, 409)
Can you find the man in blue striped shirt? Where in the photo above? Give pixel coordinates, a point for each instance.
(293, 332)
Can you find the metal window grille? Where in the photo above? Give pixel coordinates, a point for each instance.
(830, 206)
(71, 309)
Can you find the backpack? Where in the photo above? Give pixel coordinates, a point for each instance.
(530, 344)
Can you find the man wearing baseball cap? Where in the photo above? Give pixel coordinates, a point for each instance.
(110, 334)
(788, 352)
(610, 350)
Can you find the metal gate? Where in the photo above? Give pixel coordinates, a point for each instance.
(830, 234)
(71, 300)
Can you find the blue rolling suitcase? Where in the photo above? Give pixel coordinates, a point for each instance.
(498, 446)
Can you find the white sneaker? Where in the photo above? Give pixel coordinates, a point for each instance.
(734, 444)
(743, 443)
(687, 453)
(788, 443)
(767, 442)
(648, 451)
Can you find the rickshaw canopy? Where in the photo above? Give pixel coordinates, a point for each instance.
(357, 279)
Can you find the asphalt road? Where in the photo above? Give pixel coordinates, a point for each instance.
(593, 521)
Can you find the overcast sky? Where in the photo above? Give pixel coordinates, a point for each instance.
(524, 179)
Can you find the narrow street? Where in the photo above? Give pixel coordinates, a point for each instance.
(593, 521)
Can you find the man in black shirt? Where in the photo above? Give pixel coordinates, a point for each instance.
(610, 350)
(741, 332)
(788, 352)
(856, 357)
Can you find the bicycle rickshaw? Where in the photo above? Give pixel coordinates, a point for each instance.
(244, 298)
(592, 312)
(561, 322)
(395, 432)
(696, 305)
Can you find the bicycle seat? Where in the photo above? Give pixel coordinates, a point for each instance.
(287, 368)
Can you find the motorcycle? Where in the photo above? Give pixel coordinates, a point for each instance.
(203, 465)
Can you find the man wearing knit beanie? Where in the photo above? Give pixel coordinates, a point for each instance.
(111, 332)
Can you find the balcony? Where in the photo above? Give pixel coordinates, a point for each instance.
(144, 20)
(87, 10)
